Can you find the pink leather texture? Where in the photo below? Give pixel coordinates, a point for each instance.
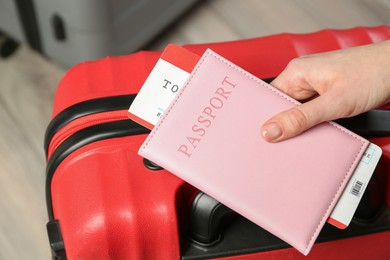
(210, 137)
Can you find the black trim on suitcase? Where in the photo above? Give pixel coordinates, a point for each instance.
(27, 15)
(85, 108)
(375, 123)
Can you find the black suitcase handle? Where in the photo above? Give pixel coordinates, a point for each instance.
(206, 217)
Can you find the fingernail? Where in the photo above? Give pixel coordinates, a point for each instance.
(271, 131)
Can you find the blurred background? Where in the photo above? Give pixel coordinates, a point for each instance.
(40, 40)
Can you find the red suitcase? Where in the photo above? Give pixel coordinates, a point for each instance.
(106, 202)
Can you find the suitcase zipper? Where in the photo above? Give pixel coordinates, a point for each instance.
(86, 113)
(84, 122)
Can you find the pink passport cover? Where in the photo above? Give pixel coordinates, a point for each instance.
(210, 137)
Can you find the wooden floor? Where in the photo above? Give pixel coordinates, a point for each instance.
(28, 82)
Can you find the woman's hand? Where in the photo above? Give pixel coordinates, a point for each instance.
(335, 84)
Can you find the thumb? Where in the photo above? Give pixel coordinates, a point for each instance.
(298, 119)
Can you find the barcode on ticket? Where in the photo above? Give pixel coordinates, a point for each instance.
(346, 206)
(357, 188)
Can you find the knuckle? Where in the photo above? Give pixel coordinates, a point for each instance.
(294, 61)
(298, 120)
(295, 69)
(292, 64)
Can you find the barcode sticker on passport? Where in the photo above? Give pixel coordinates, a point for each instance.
(346, 206)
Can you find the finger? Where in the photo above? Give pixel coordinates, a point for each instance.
(283, 81)
(298, 119)
(293, 85)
